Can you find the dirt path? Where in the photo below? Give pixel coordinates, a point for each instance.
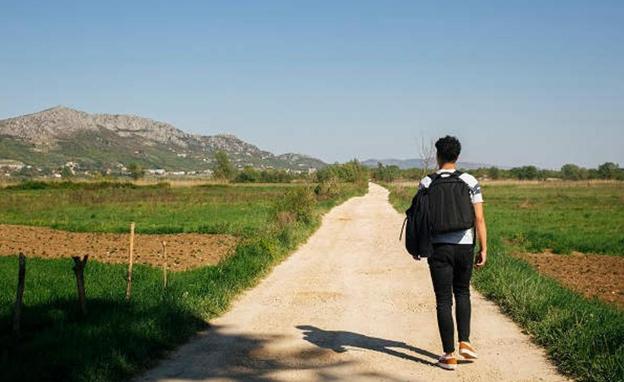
(350, 305)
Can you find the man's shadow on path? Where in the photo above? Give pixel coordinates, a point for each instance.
(338, 340)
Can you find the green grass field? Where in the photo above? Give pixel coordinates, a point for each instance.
(563, 218)
(155, 209)
(118, 339)
(585, 338)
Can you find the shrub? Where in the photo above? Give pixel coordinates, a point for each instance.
(251, 175)
(29, 185)
(248, 175)
(136, 171)
(327, 189)
(352, 172)
(42, 185)
(284, 219)
(298, 201)
(103, 185)
(386, 173)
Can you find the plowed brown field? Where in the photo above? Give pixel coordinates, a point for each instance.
(184, 251)
(599, 276)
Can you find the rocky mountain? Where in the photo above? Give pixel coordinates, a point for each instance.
(56, 136)
(417, 163)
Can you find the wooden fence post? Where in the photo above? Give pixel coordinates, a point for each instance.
(131, 254)
(19, 299)
(164, 249)
(79, 266)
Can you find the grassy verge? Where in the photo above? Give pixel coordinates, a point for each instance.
(584, 338)
(119, 339)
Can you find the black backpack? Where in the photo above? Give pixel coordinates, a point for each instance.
(416, 225)
(445, 206)
(450, 204)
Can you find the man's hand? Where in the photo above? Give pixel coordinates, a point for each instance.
(481, 258)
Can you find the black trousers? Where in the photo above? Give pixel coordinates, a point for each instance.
(451, 269)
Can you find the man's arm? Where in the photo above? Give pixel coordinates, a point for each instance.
(481, 234)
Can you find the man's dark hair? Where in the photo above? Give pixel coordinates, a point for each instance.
(448, 149)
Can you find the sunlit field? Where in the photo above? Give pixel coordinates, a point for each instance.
(119, 338)
(583, 336)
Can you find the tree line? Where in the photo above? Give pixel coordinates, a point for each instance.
(355, 172)
(350, 172)
(607, 171)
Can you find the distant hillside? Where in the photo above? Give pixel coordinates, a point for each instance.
(417, 163)
(55, 136)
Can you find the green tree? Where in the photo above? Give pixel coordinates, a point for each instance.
(351, 172)
(592, 173)
(386, 173)
(354, 172)
(248, 175)
(493, 173)
(275, 176)
(327, 173)
(525, 172)
(223, 168)
(136, 171)
(571, 171)
(608, 170)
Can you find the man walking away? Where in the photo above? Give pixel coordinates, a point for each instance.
(451, 263)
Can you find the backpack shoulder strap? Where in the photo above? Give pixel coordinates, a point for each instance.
(434, 176)
(455, 174)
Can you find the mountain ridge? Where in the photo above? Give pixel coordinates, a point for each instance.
(58, 135)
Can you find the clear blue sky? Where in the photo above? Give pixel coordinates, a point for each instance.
(519, 82)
